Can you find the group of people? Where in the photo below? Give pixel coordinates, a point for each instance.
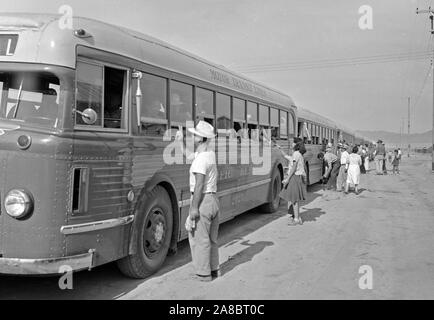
(343, 168)
(382, 158)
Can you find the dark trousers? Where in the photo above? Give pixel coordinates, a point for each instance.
(331, 183)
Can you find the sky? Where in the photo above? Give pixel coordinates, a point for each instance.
(304, 48)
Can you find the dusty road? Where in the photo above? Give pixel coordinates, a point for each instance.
(389, 226)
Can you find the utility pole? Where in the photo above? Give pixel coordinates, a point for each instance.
(431, 17)
(408, 154)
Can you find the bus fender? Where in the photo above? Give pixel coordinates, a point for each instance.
(164, 181)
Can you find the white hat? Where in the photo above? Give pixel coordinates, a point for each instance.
(203, 129)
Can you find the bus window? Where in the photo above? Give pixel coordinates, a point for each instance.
(239, 113)
(115, 88)
(223, 111)
(264, 116)
(89, 90)
(153, 116)
(291, 125)
(274, 122)
(283, 124)
(252, 112)
(31, 97)
(252, 118)
(205, 105)
(309, 133)
(181, 103)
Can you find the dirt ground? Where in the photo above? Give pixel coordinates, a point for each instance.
(388, 227)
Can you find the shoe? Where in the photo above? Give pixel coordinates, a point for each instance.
(292, 222)
(298, 221)
(215, 274)
(203, 278)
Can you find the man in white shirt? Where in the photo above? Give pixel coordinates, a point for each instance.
(345, 158)
(203, 219)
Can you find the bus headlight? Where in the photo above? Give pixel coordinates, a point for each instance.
(18, 203)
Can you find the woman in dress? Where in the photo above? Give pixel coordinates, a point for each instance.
(353, 174)
(294, 185)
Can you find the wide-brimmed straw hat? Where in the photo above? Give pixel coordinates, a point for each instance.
(203, 129)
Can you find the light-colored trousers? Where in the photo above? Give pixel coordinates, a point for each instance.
(379, 164)
(203, 238)
(342, 178)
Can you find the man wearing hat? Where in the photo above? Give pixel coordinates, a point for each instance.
(203, 219)
(344, 161)
(380, 153)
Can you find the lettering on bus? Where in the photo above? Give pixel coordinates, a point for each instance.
(237, 83)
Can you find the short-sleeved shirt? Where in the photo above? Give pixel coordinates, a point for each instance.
(330, 158)
(298, 162)
(205, 163)
(345, 158)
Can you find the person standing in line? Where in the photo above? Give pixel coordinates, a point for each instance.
(366, 164)
(344, 159)
(399, 153)
(294, 185)
(379, 153)
(333, 165)
(203, 219)
(363, 154)
(395, 162)
(353, 177)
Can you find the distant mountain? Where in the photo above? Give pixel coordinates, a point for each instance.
(415, 139)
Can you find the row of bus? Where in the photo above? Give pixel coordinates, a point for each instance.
(83, 117)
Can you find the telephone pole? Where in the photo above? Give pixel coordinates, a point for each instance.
(430, 12)
(408, 154)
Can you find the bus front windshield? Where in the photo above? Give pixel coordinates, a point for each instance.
(30, 97)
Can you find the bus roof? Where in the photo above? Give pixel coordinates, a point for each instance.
(44, 39)
(308, 115)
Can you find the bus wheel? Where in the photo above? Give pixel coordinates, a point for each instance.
(276, 187)
(154, 229)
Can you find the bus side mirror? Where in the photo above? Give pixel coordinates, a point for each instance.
(89, 116)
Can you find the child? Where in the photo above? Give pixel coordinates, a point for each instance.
(395, 162)
(294, 185)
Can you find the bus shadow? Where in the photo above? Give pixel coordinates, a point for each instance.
(107, 282)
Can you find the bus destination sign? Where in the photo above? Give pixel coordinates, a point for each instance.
(8, 44)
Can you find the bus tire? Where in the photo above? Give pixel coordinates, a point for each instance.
(275, 188)
(154, 229)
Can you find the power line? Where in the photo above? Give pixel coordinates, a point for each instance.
(335, 63)
(380, 56)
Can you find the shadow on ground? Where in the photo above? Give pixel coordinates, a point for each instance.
(106, 282)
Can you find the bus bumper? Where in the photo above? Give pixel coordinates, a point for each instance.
(48, 266)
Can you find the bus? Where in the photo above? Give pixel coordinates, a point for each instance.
(84, 116)
(346, 135)
(316, 131)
